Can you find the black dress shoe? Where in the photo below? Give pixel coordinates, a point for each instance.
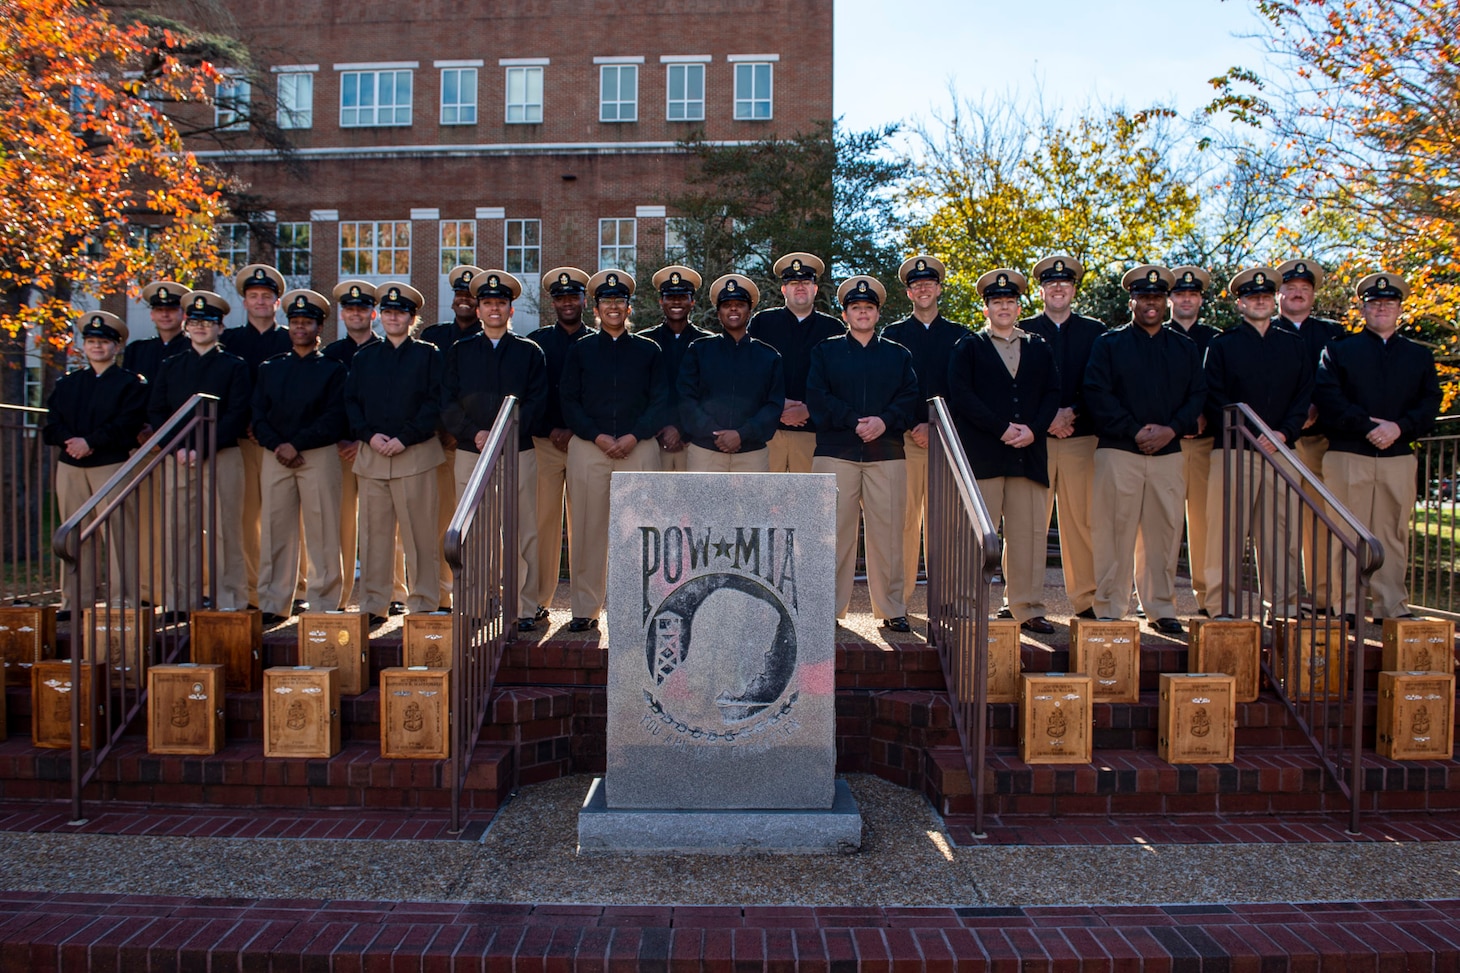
(377, 620)
(1168, 626)
(541, 614)
(898, 624)
(1087, 613)
(579, 624)
(397, 608)
(1005, 613)
(1039, 625)
(271, 619)
(168, 618)
(1204, 613)
(64, 615)
(526, 624)
(300, 606)
(443, 609)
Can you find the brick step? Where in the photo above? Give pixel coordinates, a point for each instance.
(240, 776)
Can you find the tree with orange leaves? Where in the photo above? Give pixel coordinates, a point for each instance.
(87, 154)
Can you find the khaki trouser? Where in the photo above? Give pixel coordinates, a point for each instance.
(917, 504)
(527, 558)
(1071, 477)
(792, 452)
(553, 499)
(407, 503)
(589, 471)
(349, 543)
(150, 517)
(1196, 455)
(1380, 492)
(703, 460)
(674, 462)
(1137, 497)
(184, 483)
(74, 486)
(310, 493)
(1023, 507)
(446, 494)
(874, 493)
(1268, 510)
(1310, 451)
(251, 505)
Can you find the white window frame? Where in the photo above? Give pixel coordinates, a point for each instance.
(295, 99)
(233, 247)
(526, 106)
(460, 254)
(691, 109)
(612, 254)
(374, 249)
(745, 107)
(375, 109)
(290, 232)
(465, 105)
(618, 108)
(524, 256)
(232, 98)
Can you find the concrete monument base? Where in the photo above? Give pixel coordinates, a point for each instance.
(834, 831)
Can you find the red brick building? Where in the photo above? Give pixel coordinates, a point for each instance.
(521, 135)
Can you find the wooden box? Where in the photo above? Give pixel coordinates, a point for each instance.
(50, 703)
(1005, 666)
(27, 635)
(1419, 645)
(1233, 647)
(120, 637)
(301, 712)
(1198, 718)
(426, 640)
(415, 704)
(338, 640)
(1056, 718)
(185, 708)
(1416, 715)
(1110, 654)
(1309, 673)
(231, 639)
(4, 734)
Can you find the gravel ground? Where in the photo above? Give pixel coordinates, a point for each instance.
(528, 855)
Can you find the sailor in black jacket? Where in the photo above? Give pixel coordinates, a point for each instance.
(613, 399)
(862, 392)
(94, 415)
(676, 285)
(1145, 389)
(794, 330)
(930, 338)
(1188, 297)
(299, 417)
(1071, 442)
(1267, 368)
(1004, 391)
(207, 367)
(164, 303)
(1377, 392)
(731, 388)
(481, 371)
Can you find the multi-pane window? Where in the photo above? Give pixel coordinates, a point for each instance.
(291, 250)
(458, 96)
(616, 244)
(753, 90)
(676, 239)
(685, 93)
(296, 100)
(524, 94)
(232, 247)
(458, 243)
(523, 239)
(618, 93)
(375, 249)
(375, 98)
(230, 103)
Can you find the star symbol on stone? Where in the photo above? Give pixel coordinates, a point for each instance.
(722, 548)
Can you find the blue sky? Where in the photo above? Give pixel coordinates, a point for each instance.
(894, 60)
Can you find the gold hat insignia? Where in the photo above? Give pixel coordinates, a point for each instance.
(862, 286)
(611, 280)
(96, 320)
(300, 301)
(394, 294)
(922, 265)
(1302, 268)
(674, 277)
(492, 281)
(1059, 265)
(795, 264)
(1259, 278)
(258, 274)
(1003, 280)
(1187, 277)
(200, 303)
(1383, 281)
(1153, 276)
(562, 278)
(354, 292)
(730, 285)
(162, 293)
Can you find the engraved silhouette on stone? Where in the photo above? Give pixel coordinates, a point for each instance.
(296, 718)
(1201, 723)
(722, 647)
(414, 719)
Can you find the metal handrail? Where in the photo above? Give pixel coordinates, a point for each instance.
(1432, 560)
(145, 475)
(963, 554)
(481, 547)
(1333, 732)
(28, 470)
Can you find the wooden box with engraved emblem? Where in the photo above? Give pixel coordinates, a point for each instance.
(27, 635)
(1231, 646)
(426, 640)
(1056, 718)
(50, 703)
(233, 640)
(415, 706)
(1004, 662)
(1110, 654)
(1311, 656)
(120, 637)
(1419, 645)
(185, 708)
(301, 712)
(1416, 715)
(4, 734)
(340, 640)
(1197, 718)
